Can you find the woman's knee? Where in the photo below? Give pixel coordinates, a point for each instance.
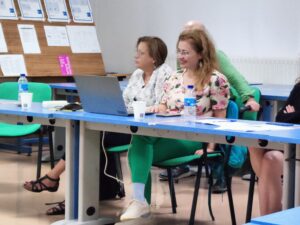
(273, 159)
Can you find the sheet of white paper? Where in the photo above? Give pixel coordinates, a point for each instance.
(3, 46)
(57, 11)
(12, 65)
(56, 36)
(29, 39)
(83, 39)
(224, 124)
(81, 11)
(31, 10)
(8, 10)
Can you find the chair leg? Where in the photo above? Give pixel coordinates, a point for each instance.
(50, 138)
(210, 183)
(230, 199)
(121, 193)
(196, 192)
(206, 170)
(39, 157)
(250, 196)
(172, 190)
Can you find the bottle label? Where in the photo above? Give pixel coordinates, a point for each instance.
(189, 102)
(23, 87)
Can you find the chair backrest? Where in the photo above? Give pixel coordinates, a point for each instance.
(232, 110)
(238, 100)
(41, 91)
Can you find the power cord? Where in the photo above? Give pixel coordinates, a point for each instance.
(106, 160)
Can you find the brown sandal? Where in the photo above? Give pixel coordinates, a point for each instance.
(59, 209)
(39, 186)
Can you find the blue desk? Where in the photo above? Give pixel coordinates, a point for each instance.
(273, 97)
(175, 127)
(286, 217)
(274, 92)
(91, 124)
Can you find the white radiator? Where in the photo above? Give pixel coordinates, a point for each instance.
(268, 70)
(262, 70)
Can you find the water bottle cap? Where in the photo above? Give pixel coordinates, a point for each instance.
(23, 75)
(190, 86)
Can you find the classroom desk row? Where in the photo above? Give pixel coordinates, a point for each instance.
(272, 95)
(82, 148)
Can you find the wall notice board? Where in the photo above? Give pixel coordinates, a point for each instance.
(47, 63)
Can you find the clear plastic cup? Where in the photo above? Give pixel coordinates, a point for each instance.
(139, 110)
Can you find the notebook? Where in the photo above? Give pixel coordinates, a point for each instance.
(101, 94)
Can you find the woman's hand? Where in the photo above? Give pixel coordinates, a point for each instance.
(200, 151)
(157, 109)
(153, 109)
(289, 109)
(253, 105)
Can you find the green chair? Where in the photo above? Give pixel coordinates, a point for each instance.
(41, 92)
(203, 160)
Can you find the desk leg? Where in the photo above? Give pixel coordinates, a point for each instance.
(89, 159)
(297, 177)
(288, 177)
(72, 154)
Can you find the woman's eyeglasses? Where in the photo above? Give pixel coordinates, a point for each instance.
(182, 53)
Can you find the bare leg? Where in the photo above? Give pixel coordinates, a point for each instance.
(58, 169)
(256, 157)
(270, 184)
(54, 174)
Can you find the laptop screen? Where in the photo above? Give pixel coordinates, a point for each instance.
(101, 94)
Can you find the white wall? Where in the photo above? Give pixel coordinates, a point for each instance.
(256, 28)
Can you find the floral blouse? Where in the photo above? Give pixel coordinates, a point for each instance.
(214, 96)
(136, 89)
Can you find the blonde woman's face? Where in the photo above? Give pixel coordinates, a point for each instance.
(187, 57)
(142, 58)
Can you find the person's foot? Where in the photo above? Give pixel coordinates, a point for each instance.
(58, 209)
(45, 183)
(219, 187)
(135, 210)
(178, 173)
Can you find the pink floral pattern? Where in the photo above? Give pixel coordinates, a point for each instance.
(214, 96)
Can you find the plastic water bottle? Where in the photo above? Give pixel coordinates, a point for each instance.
(22, 85)
(189, 102)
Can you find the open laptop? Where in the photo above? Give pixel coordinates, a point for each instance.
(101, 94)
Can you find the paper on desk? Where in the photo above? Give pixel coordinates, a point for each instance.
(225, 124)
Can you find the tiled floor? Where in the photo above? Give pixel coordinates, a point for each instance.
(20, 207)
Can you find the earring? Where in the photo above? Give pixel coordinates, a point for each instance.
(200, 64)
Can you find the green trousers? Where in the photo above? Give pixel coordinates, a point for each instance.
(146, 150)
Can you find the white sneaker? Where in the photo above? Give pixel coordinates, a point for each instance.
(136, 209)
